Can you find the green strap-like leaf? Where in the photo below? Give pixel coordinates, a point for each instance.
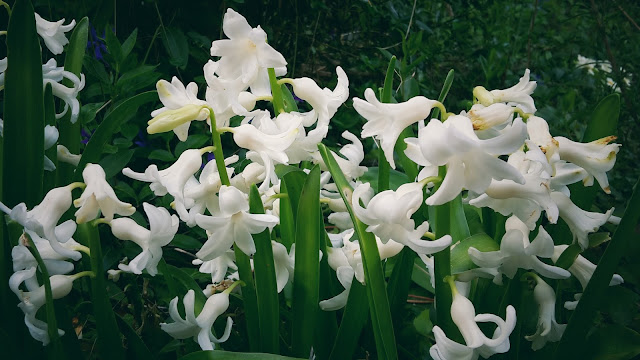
(108, 335)
(291, 185)
(56, 351)
(307, 267)
(354, 318)
(266, 286)
(249, 298)
(137, 347)
(374, 276)
(23, 110)
(582, 319)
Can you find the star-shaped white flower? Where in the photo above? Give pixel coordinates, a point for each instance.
(234, 224)
(53, 33)
(471, 163)
(548, 328)
(173, 179)
(385, 122)
(246, 53)
(516, 252)
(98, 196)
(517, 95)
(388, 215)
(181, 106)
(162, 229)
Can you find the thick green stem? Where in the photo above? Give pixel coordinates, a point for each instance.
(52, 323)
(276, 92)
(442, 262)
(217, 152)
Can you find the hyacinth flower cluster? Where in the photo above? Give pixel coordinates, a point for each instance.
(498, 156)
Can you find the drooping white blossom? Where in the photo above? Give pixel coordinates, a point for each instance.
(162, 229)
(518, 95)
(234, 224)
(385, 122)
(98, 197)
(548, 328)
(53, 33)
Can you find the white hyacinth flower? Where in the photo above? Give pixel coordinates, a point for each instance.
(580, 222)
(517, 95)
(488, 117)
(388, 215)
(52, 74)
(181, 106)
(173, 179)
(516, 252)
(325, 102)
(50, 138)
(199, 328)
(464, 316)
(234, 224)
(548, 328)
(53, 33)
(99, 197)
(162, 229)
(596, 157)
(217, 267)
(385, 122)
(43, 218)
(471, 163)
(526, 200)
(64, 155)
(246, 54)
(347, 262)
(31, 301)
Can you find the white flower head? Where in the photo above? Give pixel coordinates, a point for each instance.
(64, 155)
(517, 253)
(580, 222)
(43, 218)
(181, 106)
(246, 53)
(385, 122)
(199, 328)
(517, 95)
(162, 229)
(217, 267)
(98, 196)
(173, 179)
(596, 157)
(471, 163)
(53, 33)
(325, 102)
(525, 200)
(548, 328)
(388, 215)
(52, 74)
(492, 116)
(234, 224)
(464, 316)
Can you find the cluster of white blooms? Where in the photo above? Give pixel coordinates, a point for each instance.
(471, 146)
(55, 242)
